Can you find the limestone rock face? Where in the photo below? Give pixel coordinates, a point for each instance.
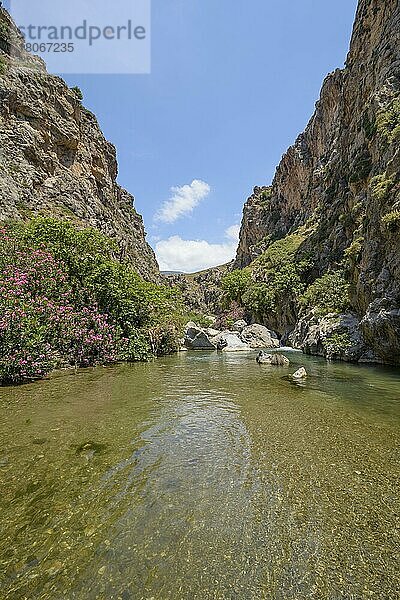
(54, 158)
(380, 328)
(197, 339)
(342, 176)
(334, 336)
(239, 326)
(258, 336)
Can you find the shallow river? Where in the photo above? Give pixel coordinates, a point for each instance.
(202, 476)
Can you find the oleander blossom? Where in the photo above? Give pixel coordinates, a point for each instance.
(41, 326)
(65, 300)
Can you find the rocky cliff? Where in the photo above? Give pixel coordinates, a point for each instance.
(201, 292)
(54, 158)
(342, 175)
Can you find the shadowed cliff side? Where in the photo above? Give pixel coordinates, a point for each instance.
(54, 159)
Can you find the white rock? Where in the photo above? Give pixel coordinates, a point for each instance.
(258, 336)
(212, 332)
(228, 341)
(300, 374)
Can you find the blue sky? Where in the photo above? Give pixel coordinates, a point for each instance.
(232, 84)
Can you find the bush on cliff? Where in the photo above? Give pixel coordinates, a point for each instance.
(65, 301)
(3, 66)
(235, 285)
(328, 294)
(273, 280)
(276, 277)
(388, 121)
(392, 220)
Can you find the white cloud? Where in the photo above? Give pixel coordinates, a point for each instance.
(183, 202)
(190, 256)
(232, 232)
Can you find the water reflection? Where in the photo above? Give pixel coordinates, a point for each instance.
(202, 476)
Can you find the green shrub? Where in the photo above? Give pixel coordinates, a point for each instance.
(280, 252)
(199, 318)
(328, 294)
(66, 300)
(381, 185)
(78, 92)
(337, 344)
(276, 277)
(346, 219)
(392, 220)
(80, 250)
(235, 284)
(388, 121)
(266, 195)
(273, 280)
(353, 252)
(284, 286)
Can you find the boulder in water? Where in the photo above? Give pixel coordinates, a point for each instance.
(258, 336)
(277, 360)
(300, 374)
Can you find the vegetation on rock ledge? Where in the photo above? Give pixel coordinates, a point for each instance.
(388, 121)
(273, 279)
(328, 294)
(277, 281)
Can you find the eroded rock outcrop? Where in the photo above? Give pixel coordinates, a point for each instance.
(336, 337)
(54, 159)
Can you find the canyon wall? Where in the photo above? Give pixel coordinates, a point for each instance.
(54, 159)
(341, 179)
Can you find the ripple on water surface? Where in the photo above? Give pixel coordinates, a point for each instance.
(202, 476)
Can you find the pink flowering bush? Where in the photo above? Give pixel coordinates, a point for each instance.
(65, 302)
(40, 327)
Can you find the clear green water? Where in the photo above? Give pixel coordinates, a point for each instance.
(202, 476)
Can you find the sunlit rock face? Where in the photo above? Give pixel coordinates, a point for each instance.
(54, 158)
(342, 177)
